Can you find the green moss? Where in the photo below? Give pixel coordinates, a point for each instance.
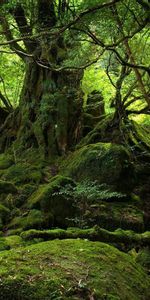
(105, 162)
(14, 231)
(7, 187)
(24, 193)
(30, 219)
(127, 238)
(23, 173)
(4, 214)
(143, 258)
(71, 269)
(115, 215)
(143, 135)
(101, 132)
(4, 211)
(54, 205)
(14, 241)
(5, 161)
(3, 244)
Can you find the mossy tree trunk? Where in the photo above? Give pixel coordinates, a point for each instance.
(51, 99)
(50, 109)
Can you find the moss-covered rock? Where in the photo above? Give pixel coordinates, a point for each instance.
(24, 192)
(143, 258)
(4, 214)
(5, 161)
(104, 162)
(23, 173)
(53, 204)
(71, 269)
(115, 215)
(7, 187)
(3, 245)
(29, 219)
(14, 241)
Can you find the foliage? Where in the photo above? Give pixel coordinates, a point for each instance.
(11, 77)
(95, 78)
(89, 190)
(84, 194)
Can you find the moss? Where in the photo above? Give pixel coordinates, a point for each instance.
(4, 214)
(7, 187)
(14, 241)
(54, 205)
(30, 219)
(71, 269)
(127, 238)
(23, 173)
(101, 132)
(14, 231)
(1, 224)
(142, 134)
(24, 193)
(5, 161)
(115, 215)
(105, 162)
(143, 258)
(3, 244)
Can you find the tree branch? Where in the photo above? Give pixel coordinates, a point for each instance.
(144, 4)
(14, 46)
(25, 30)
(145, 110)
(5, 102)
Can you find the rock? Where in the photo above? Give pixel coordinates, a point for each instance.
(71, 269)
(55, 206)
(23, 173)
(30, 219)
(102, 162)
(115, 215)
(95, 104)
(7, 187)
(5, 161)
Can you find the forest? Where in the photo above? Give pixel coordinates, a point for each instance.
(74, 150)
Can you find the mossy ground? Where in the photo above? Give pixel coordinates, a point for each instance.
(31, 198)
(71, 269)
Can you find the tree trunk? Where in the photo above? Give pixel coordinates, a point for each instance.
(50, 107)
(51, 101)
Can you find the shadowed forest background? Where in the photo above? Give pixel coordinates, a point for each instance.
(74, 149)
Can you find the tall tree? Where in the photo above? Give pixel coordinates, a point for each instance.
(42, 33)
(50, 103)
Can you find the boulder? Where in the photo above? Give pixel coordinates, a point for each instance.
(102, 162)
(71, 269)
(56, 206)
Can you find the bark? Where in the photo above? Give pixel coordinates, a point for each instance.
(51, 102)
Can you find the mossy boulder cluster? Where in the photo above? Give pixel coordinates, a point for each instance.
(74, 227)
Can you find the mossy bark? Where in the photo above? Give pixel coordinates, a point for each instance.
(50, 108)
(51, 99)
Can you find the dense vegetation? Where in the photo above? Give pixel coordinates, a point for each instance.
(74, 149)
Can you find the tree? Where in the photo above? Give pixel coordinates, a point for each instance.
(50, 103)
(52, 38)
(123, 39)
